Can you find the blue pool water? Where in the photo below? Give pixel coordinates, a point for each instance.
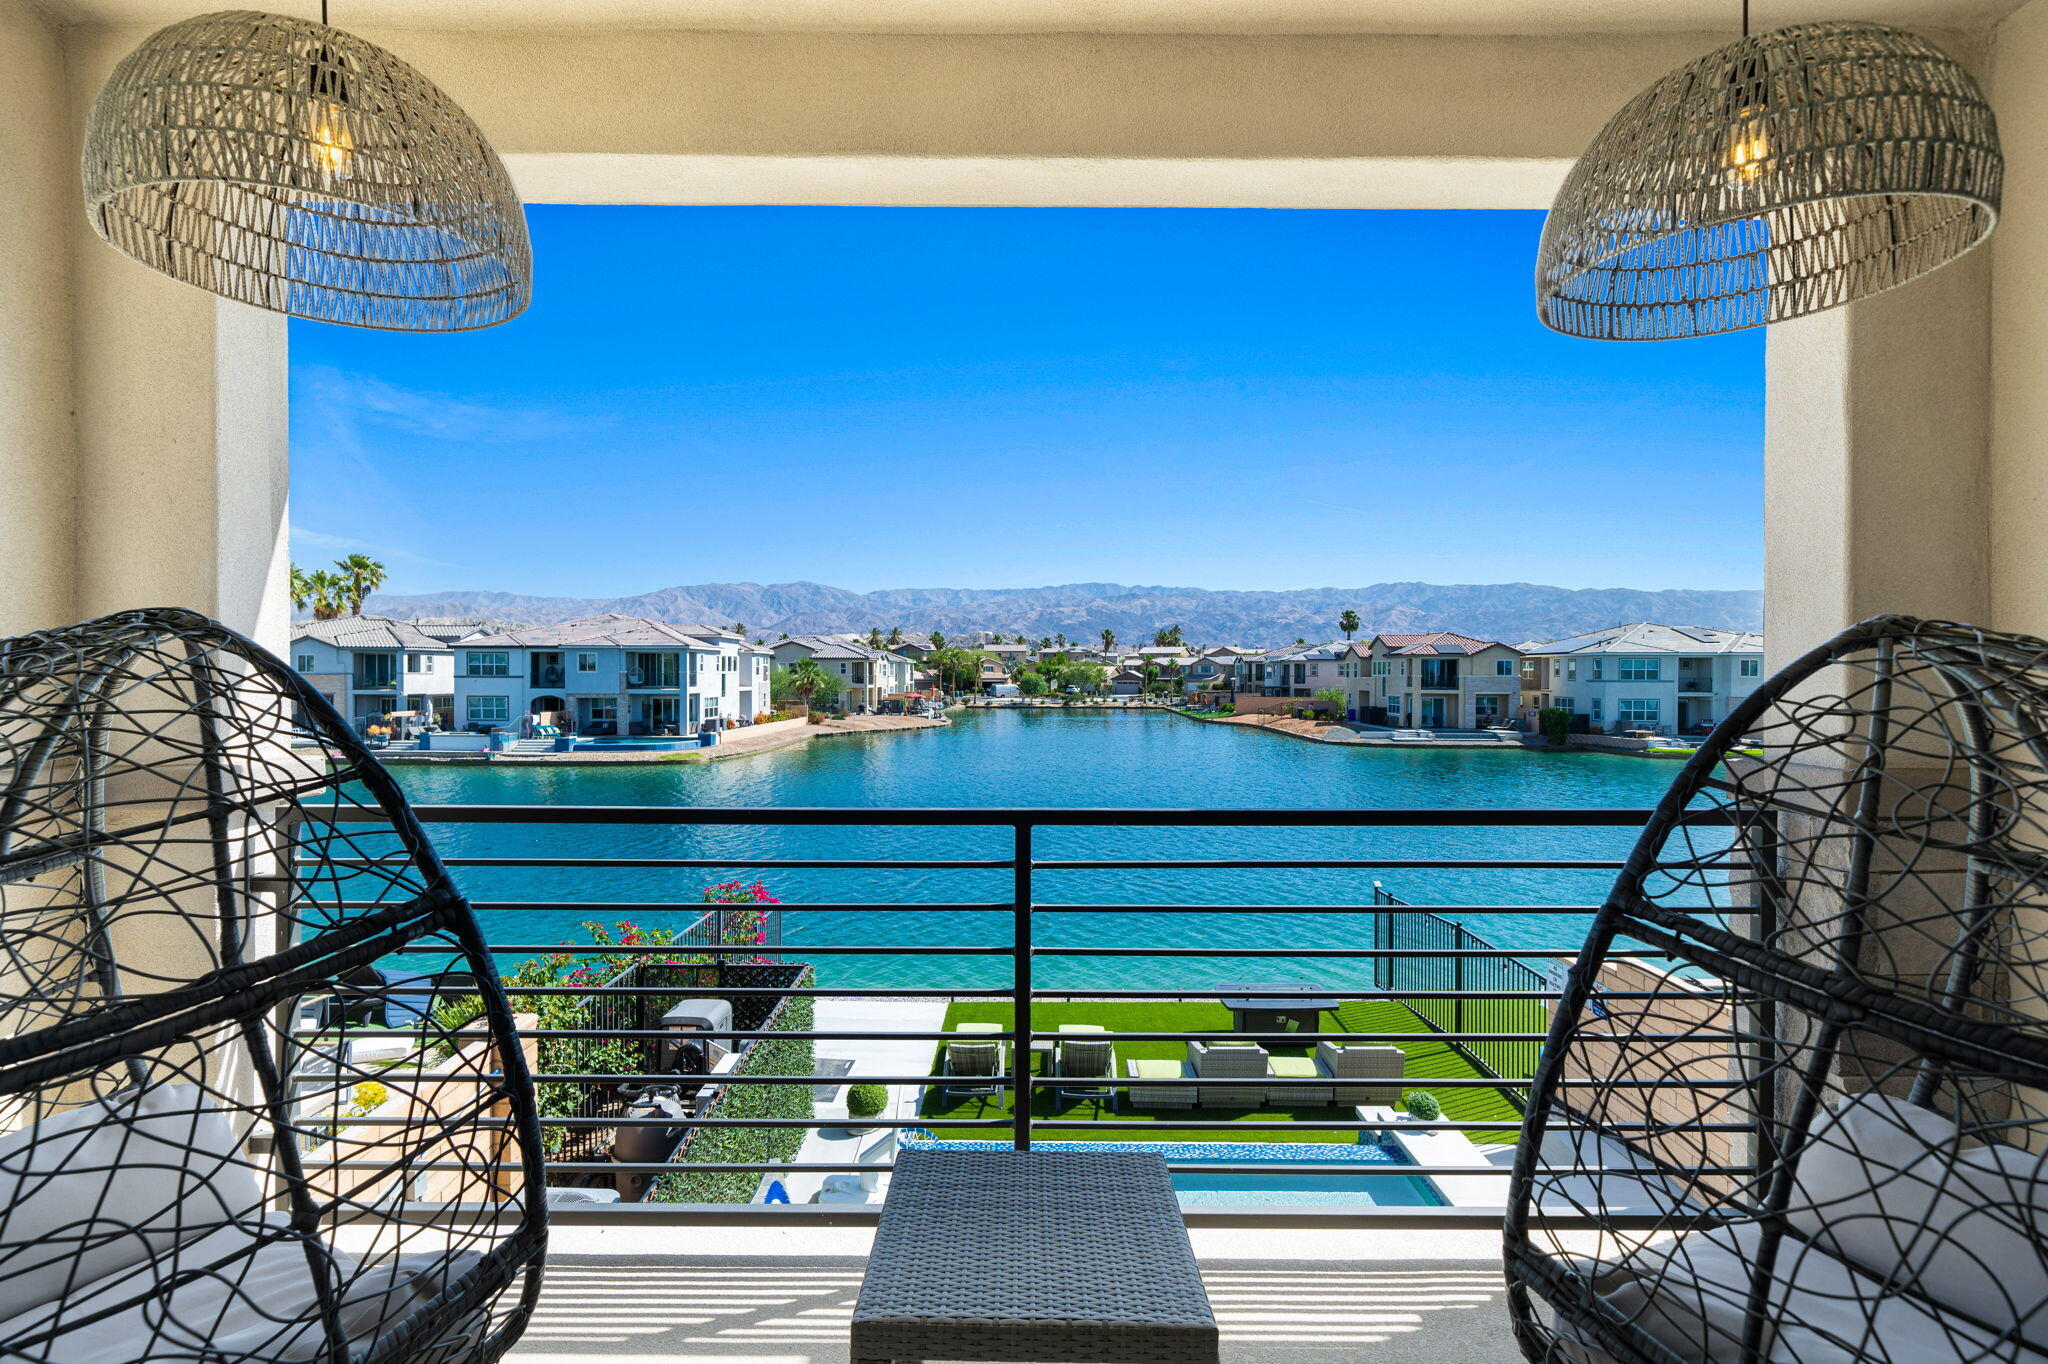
(634, 745)
(1059, 759)
(1347, 1184)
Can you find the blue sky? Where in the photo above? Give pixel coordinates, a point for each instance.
(1017, 397)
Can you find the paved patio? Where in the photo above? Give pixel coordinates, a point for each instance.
(786, 1295)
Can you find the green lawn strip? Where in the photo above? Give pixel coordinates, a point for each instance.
(1055, 1119)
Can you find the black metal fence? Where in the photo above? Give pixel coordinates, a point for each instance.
(1483, 1000)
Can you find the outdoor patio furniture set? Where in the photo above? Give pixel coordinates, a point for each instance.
(1085, 1054)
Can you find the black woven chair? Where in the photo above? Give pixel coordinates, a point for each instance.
(217, 1142)
(1815, 1133)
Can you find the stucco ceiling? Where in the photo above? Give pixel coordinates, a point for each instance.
(1102, 16)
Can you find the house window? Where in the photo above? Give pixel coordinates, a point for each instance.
(1752, 667)
(1638, 670)
(1382, 667)
(1571, 671)
(1503, 667)
(304, 663)
(417, 663)
(484, 710)
(601, 708)
(1565, 704)
(1637, 710)
(490, 664)
(1439, 674)
(1599, 668)
(587, 663)
(1596, 708)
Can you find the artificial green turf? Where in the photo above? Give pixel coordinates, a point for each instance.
(1068, 1120)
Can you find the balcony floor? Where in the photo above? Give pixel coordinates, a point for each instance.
(786, 1295)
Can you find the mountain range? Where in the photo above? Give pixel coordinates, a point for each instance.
(1513, 612)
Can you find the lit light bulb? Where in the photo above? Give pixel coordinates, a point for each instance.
(332, 147)
(1747, 147)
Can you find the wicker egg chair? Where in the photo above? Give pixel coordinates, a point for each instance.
(1815, 1130)
(222, 1138)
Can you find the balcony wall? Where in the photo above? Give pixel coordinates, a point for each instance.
(1904, 434)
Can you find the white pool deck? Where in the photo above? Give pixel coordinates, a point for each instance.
(870, 1056)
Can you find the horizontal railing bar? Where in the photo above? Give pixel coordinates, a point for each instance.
(1363, 1169)
(641, 863)
(1337, 863)
(1091, 1124)
(1289, 1038)
(1043, 817)
(712, 1079)
(1273, 1217)
(699, 907)
(976, 950)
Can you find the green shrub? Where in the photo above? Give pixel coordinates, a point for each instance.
(866, 1101)
(1423, 1107)
(750, 1145)
(1555, 722)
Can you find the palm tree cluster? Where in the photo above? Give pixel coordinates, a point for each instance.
(338, 592)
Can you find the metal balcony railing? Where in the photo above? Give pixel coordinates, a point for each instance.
(1460, 989)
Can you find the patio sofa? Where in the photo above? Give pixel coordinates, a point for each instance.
(1161, 1096)
(1229, 1061)
(1351, 1067)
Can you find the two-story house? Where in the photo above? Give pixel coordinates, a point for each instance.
(1440, 680)
(371, 666)
(611, 675)
(866, 675)
(1300, 670)
(1663, 678)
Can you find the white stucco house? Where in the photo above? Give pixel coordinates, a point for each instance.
(611, 675)
(1438, 680)
(370, 666)
(1668, 678)
(866, 675)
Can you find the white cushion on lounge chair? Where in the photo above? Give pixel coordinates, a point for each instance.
(1897, 1193)
(111, 1183)
(260, 1303)
(1690, 1294)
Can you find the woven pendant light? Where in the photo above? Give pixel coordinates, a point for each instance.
(1789, 172)
(291, 165)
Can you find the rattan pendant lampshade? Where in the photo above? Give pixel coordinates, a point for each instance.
(1789, 172)
(291, 165)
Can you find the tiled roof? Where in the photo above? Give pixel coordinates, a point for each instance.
(448, 629)
(613, 631)
(824, 646)
(366, 632)
(1439, 642)
(1304, 653)
(1648, 638)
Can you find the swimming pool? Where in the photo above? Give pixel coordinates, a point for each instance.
(1346, 1185)
(662, 745)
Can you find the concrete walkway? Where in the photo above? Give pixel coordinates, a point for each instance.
(870, 1056)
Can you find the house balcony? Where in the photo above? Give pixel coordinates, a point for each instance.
(1468, 1016)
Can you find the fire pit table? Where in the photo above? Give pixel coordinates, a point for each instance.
(1032, 1255)
(1263, 1008)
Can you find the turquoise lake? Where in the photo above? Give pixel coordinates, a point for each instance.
(1060, 759)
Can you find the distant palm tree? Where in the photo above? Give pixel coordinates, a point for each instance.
(302, 591)
(1348, 623)
(328, 593)
(938, 640)
(895, 635)
(874, 636)
(739, 627)
(360, 576)
(1108, 640)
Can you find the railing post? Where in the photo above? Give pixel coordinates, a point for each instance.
(1020, 988)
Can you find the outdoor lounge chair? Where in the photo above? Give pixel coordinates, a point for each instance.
(1297, 1095)
(1229, 1061)
(1160, 1096)
(1090, 1056)
(977, 1063)
(1384, 1066)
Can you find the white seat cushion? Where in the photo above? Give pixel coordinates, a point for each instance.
(248, 1297)
(111, 1183)
(1690, 1294)
(1890, 1186)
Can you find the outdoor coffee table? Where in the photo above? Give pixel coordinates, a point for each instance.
(1252, 1011)
(1032, 1255)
